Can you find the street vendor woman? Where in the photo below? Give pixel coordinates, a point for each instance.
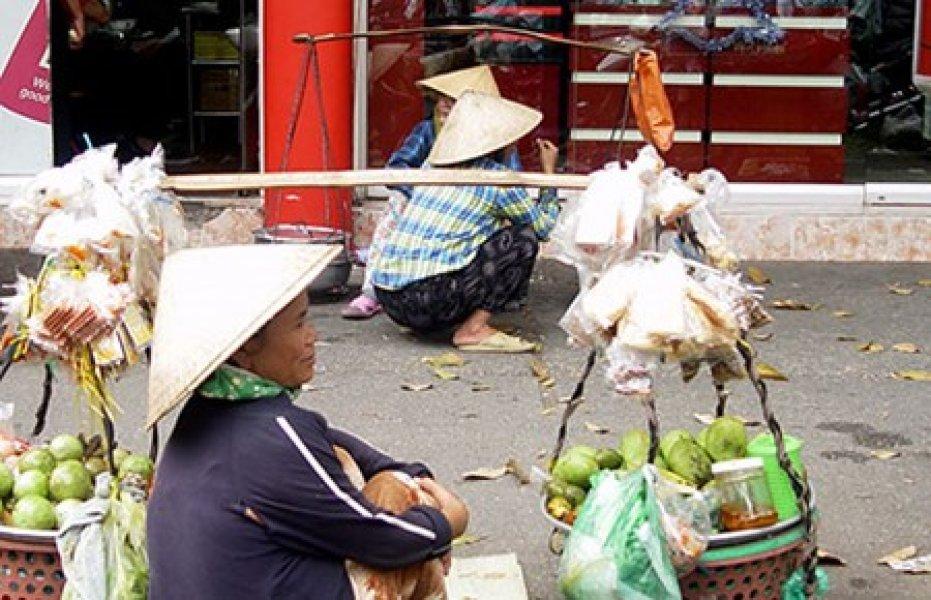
(442, 91)
(459, 254)
(252, 499)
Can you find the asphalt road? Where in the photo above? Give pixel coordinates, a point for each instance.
(841, 402)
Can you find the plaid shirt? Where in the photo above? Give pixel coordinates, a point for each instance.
(441, 228)
(414, 151)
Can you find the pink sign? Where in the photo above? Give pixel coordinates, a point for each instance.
(25, 88)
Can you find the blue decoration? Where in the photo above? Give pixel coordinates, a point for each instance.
(765, 31)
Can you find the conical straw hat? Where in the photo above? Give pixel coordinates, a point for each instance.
(477, 79)
(479, 124)
(211, 300)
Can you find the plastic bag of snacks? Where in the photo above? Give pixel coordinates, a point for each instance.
(686, 519)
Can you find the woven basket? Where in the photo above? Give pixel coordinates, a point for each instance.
(753, 577)
(30, 567)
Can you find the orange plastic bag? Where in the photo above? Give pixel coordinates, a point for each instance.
(649, 101)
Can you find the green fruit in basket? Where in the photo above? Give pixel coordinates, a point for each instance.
(66, 447)
(702, 438)
(34, 512)
(558, 507)
(726, 439)
(31, 483)
(6, 480)
(575, 469)
(70, 480)
(119, 454)
(138, 464)
(586, 451)
(667, 441)
(687, 460)
(634, 447)
(608, 458)
(95, 466)
(554, 488)
(670, 476)
(661, 463)
(37, 459)
(575, 495)
(63, 508)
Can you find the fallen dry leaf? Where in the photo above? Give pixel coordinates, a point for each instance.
(485, 474)
(542, 373)
(900, 554)
(898, 290)
(447, 359)
(915, 566)
(548, 411)
(871, 348)
(788, 304)
(480, 387)
(467, 539)
(595, 428)
(763, 337)
(416, 387)
(767, 371)
(841, 314)
(757, 276)
(913, 375)
(445, 374)
(829, 558)
(517, 470)
(885, 454)
(924, 282)
(906, 348)
(846, 338)
(707, 419)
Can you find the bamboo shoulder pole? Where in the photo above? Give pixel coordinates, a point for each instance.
(369, 177)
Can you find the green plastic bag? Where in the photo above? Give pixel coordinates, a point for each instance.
(617, 548)
(794, 587)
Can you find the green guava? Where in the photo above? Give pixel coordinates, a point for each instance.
(31, 483)
(687, 460)
(34, 512)
(66, 447)
(667, 441)
(575, 469)
(70, 480)
(138, 464)
(634, 447)
(726, 439)
(608, 458)
(6, 480)
(37, 459)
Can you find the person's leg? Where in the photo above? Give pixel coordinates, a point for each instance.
(430, 305)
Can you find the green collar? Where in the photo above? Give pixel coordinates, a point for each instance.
(234, 384)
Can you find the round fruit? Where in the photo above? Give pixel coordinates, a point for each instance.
(66, 447)
(558, 507)
(687, 459)
(138, 464)
(63, 508)
(70, 480)
(34, 512)
(609, 459)
(726, 439)
(635, 447)
(554, 487)
(119, 454)
(6, 480)
(575, 469)
(95, 466)
(37, 459)
(31, 483)
(671, 438)
(660, 462)
(575, 495)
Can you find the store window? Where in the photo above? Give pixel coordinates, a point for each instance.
(178, 73)
(822, 92)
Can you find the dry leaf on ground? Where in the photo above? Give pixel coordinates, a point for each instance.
(542, 373)
(846, 338)
(517, 470)
(447, 359)
(707, 419)
(924, 282)
(913, 375)
(885, 454)
(485, 474)
(871, 347)
(789, 304)
(915, 566)
(467, 539)
(416, 387)
(829, 558)
(906, 348)
(900, 554)
(596, 428)
(548, 411)
(480, 387)
(445, 374)
(767, 371)
(841, 314)
(763, 337)
(898, 290)
(757, 276)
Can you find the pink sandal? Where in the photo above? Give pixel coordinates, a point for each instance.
(362, 307)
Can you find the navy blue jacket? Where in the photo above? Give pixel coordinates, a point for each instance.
(277, 459)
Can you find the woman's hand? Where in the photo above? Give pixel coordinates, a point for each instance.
(548, 155)
(452, 507)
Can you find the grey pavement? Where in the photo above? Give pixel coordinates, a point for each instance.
(841, 402)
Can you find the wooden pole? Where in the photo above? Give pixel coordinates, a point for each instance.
(368, 177)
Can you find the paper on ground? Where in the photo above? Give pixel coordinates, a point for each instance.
(492, 577)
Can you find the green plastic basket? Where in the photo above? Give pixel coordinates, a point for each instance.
(780, 486)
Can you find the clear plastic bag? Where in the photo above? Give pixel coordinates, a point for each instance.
(630, 371)
(673, 197)
(617, 548)
(686, 519)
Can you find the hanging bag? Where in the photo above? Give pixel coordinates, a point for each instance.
(649, 101)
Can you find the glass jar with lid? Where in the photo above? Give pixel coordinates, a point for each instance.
(746, 502)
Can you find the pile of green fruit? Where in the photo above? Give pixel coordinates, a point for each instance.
(682, 459)
(40, 485)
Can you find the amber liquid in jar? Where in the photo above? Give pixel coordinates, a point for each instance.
(736, 518)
